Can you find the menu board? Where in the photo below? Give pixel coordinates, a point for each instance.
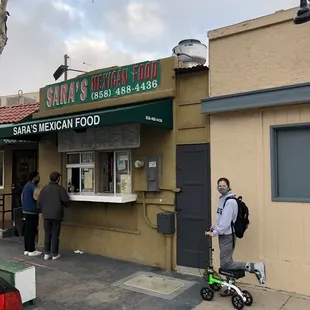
(100, 138)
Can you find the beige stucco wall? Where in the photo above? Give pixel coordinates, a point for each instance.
(191, 126)
(278, 234)
(265, 52)
(121, 230)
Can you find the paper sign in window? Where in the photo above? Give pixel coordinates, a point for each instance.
(88, 179)
(125, 184)
(122, 163)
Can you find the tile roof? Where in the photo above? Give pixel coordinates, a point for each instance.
(16, 113)
(195, 69)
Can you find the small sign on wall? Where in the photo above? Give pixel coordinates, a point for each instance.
(152, 164)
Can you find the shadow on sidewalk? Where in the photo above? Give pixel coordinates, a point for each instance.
(83, 281)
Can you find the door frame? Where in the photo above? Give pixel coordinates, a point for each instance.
(185, 269)
(14, 167)
(35, 151)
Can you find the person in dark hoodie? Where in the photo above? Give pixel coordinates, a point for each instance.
(223, 230)
(31, 215)
(51, 202)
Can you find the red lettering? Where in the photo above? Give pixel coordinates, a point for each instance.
(154, 69)
(109, 79)
(94, 83)
(113, 79)
(105, 81)
(71, 98)
(125, 76)
(83, 94)
(56, 95)
(119, 78)
(49, 95)
(141, 73)
(63, 93)
(100, 82)
(135, 72)
(148, 71)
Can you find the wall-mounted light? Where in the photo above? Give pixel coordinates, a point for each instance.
(63, 69)
(139, 164)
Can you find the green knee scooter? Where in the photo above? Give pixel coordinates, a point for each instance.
(240, 298)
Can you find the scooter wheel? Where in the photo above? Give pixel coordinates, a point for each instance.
(237, 302)
(215, 287)
(249, 298)
(207, 294)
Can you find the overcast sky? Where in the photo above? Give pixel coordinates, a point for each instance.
(101, 33)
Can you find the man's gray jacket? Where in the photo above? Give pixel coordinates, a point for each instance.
(52, 200)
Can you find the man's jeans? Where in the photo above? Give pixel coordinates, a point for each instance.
(31, 228)
(52, 232)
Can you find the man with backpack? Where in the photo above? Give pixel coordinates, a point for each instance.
(232, 221)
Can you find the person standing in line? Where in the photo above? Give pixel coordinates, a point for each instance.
(31, 215)
(51, 202)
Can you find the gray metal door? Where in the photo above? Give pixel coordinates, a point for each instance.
(193, 204)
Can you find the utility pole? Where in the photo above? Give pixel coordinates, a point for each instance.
(66, 57)
(63, 69)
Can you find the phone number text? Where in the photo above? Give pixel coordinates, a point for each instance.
(124, 90)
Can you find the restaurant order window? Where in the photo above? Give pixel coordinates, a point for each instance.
(99, 162)
(81, 172)
(114, 169)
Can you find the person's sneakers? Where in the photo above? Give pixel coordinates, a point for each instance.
(56, 257)
(47, 256)
(26, 253)
(260, 272)
(34, 253)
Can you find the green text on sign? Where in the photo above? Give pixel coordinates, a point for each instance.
(120, 81)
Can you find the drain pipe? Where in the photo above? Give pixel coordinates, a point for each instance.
(168, 262)
(145, 213)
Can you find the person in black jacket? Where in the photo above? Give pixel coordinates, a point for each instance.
(51, 202)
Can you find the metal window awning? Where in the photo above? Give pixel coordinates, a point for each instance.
(257, 99)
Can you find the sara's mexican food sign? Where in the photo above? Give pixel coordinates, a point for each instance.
(117, 82)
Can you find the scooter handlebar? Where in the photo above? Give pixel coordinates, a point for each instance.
(209, 230)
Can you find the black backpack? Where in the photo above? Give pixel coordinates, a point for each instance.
(242, 221)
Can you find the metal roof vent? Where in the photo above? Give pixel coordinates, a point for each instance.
(191, 52)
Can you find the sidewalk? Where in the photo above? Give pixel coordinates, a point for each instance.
(92, 282)
(263, 300)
